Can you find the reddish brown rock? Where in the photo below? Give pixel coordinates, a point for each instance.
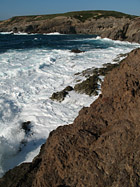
(102, 146)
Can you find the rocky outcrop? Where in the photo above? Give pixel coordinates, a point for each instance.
(77, 51)
(60, 96)
(101, 147)
(91, 85)
(114, 25)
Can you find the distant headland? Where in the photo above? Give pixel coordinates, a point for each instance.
(110, 24)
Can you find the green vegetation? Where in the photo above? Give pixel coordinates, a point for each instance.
(80, 15)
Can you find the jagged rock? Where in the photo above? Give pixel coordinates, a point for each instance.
(101, 147)
(60, 96)
(89, 86)
(107, 68)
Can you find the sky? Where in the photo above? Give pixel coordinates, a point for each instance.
(11, 8)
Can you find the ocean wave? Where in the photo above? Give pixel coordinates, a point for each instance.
(18, 33)
(11, 32)
(53, 33)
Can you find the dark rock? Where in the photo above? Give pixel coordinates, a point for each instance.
(76, 51)
(26, 126)
(15, 29)
(29, 29)
(107, 68)
(60, 96)
(68, 88)
(89, 86)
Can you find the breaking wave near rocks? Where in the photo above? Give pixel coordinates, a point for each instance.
(32, 68)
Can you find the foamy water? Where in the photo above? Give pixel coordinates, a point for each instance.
(28, 79)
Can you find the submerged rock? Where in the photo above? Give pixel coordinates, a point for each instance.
(26, 126)
(101, 147)
(76, 51)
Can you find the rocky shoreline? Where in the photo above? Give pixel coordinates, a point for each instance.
(109, 24)
(101, 147)
(90, 86)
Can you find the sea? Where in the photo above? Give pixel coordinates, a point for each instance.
(32, 68)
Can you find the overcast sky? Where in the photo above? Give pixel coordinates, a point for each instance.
(10, 8)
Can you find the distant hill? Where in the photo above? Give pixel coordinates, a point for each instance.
(80, 15)
(111, 24)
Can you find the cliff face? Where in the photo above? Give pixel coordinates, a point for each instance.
(108, 24)
(101, 147)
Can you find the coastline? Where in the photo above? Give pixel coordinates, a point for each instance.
(100, 135)
(113, 25)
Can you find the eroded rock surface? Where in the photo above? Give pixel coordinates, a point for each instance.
(101, 147)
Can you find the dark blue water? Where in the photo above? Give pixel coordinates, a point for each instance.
(42, 41)
(82, 42)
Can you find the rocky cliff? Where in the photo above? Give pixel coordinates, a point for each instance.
(110, 24)
(102, 146)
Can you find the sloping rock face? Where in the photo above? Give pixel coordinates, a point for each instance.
(101, 147)
(116, 28)
(133, 31)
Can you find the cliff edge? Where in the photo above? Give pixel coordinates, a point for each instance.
(110, 24)
(101, 147)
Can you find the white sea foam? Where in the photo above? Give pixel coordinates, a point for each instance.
(18, 33)
(11, 32)
(24, 33)
(28, 79)
(110, 41)
(52, 33)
